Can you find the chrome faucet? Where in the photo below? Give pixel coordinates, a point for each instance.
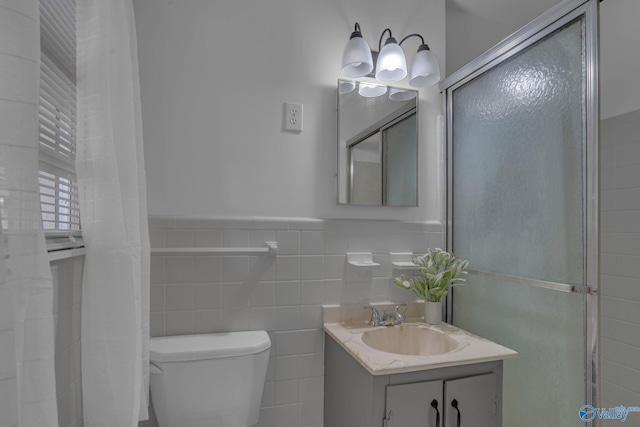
(396, 317)
(386, 319)
(375, 320)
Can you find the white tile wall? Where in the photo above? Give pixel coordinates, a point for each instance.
(620, 257)
(283, 294)
(67, 285)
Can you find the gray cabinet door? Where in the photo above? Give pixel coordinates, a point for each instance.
(475, 398)
(409, 405)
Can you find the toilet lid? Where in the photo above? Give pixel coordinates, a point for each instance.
(207, 346)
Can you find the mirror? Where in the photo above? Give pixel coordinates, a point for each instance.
(377, 145)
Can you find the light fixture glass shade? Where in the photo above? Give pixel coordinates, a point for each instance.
(346, 87)
(396, 94)
(425, 70)
(356, 58)
(392, 65)
(370, 90)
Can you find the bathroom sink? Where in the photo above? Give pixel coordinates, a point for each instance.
(411, 340)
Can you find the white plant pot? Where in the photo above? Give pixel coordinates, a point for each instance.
(433, 312)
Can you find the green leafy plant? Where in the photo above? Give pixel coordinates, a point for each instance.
(439, 270)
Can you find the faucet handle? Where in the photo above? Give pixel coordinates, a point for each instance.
(398, 317)
(396, 309)
(375, 316)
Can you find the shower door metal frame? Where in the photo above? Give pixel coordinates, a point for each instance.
(555, 18)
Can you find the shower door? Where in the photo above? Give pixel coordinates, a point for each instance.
(522, 208)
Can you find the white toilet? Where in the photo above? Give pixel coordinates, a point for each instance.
(208, 380)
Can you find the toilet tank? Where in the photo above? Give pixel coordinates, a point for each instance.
(208, 380)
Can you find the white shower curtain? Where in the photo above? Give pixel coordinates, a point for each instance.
(111, 180)
(27, 382)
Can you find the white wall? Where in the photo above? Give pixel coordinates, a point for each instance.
(620, 255)
(469, 36)
(619, 58)
(620, 204)
(214, 77)
(475, 26)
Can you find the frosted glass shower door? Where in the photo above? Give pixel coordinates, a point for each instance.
(520, 209)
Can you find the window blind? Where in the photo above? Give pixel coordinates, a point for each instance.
(57, 118)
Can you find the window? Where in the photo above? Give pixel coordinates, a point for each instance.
(57, 119)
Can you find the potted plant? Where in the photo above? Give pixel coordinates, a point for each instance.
(439, 270)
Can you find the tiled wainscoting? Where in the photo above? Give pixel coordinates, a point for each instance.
(620, 257)
(67, 295)
(282, 294)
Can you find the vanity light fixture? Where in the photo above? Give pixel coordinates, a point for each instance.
(371, 90)
(390, 65)
(396, 94)
(346, 87)
(357, 60)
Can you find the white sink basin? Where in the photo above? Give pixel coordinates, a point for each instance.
(410, 340)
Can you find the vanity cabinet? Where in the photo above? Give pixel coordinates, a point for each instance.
(468, 401)
(356, 398)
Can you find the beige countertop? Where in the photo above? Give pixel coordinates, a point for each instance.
(347, 323)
